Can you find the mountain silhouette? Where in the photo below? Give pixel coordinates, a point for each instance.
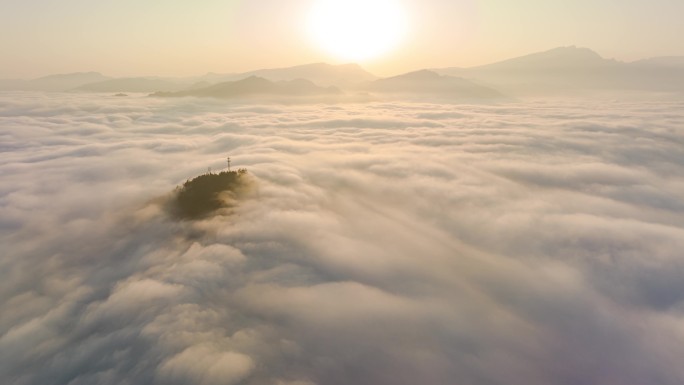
(572, 69)
(320, 73)
(255, 86)
(563, 57)
(560, 71)
(343, 76)
(663, 62)
(429, 83)
(132, 85)
(53, 83)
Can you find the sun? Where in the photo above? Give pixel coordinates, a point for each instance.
(357, 30)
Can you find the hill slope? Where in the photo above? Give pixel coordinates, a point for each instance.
(254, 86)
(427, 83)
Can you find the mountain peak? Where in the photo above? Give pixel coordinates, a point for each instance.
(572, 52)
(561, 57)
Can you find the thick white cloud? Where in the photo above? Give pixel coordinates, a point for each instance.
(382, 243)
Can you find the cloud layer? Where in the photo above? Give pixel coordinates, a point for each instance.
(384, 243)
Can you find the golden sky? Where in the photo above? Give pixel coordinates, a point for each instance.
(181, 37)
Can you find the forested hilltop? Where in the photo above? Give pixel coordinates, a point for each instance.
(200, 196)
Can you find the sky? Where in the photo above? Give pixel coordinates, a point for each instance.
(184, 38)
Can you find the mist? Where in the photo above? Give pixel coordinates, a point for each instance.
(382, 243)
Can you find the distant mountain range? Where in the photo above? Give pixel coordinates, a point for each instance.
(559, 71)
(326, 75)
(132, 85)
(52, 83)
(418, 84)
(342, 76)
(255, 86)
(570, 69)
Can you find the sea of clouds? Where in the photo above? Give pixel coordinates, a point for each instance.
(529, 243)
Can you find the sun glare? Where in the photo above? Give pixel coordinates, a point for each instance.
(357, 30)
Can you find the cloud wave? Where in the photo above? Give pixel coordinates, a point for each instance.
(385, 243)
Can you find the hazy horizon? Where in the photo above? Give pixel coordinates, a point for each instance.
(408, 70)
(171, 39)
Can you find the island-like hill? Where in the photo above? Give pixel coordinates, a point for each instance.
(255, 87)
(427, 83)
(205, 194)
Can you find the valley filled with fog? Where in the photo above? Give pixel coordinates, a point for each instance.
(524, 242)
